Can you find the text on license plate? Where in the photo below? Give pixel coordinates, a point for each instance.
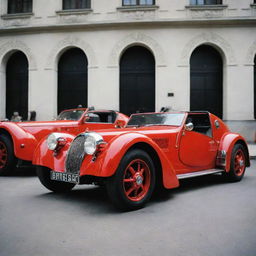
(65, 177)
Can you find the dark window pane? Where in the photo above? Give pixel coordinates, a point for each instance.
(146, 2)
(76, 4)
(19, 6)
(205, 2)
(213, 2)
(129, 2)
(138, 2)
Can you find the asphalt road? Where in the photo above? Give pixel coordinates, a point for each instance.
(205, 216)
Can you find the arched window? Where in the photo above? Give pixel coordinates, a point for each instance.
(72, 79)
(17, 85)
(206, 80)
(137, 81)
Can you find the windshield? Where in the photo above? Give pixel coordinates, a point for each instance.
(70, 115)
(174, 119)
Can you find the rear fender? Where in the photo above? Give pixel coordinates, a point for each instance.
(24, 143)
(118, 147)
(227, 143)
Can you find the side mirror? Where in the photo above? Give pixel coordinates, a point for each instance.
(86, 118)
(189, 126)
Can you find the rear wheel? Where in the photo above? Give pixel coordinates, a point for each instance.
(8, 160)
(238, 163)
(134, 181)
(43, 174)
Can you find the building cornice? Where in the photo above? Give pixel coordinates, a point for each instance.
(237, 21)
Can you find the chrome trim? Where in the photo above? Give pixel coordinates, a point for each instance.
(217, 124)
(189, 127)
(221, 158)
(199, 173)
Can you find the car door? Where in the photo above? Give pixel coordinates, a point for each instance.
(197, 148)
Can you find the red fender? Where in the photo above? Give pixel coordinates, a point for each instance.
(113, 154)
(43, 156)
(227, 143)
(23, 142)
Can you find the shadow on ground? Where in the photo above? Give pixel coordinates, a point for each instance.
(23, 172)
(90, 196)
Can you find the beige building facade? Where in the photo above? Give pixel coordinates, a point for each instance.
(171, 30)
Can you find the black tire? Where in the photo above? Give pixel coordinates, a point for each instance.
(237, 164)
(142, 186)
(43, 174)
(8, 160)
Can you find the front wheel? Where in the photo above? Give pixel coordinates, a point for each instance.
(238, 163)
(43, 174)
(134, 181)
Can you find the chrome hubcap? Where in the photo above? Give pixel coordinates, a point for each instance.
(241, 163)
(139, 180)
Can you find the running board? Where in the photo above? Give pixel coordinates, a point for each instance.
(200, 173)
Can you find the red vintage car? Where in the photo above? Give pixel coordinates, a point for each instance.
(154, 149)
(18, 140)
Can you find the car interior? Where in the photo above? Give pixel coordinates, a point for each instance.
(201, 123)
(101, 117)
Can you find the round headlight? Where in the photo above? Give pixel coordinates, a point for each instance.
(91, 141)
(90, 145)
(52, 141)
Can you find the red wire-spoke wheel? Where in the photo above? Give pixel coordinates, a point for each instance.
(238, 163)
(3, 155)
(134, 181)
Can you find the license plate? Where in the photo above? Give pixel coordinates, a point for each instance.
(65, 177)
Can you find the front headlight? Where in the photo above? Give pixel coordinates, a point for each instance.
(91, 143)
(54, 140)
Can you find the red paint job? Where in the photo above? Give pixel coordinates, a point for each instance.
(227, 143)
(26, 135)
(205, 153)
(179, 151)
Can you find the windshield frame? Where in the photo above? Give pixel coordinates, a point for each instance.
(85, 110)
(183, 115)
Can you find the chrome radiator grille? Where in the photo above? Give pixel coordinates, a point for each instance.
(75, 155)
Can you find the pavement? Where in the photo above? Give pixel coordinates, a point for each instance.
(252, 150)
(205, 216)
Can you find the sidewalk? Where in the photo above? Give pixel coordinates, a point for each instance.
(252, 150)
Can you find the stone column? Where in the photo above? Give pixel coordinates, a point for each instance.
(2, 94)
(103, 87)
(238, 93)
(43, 93)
